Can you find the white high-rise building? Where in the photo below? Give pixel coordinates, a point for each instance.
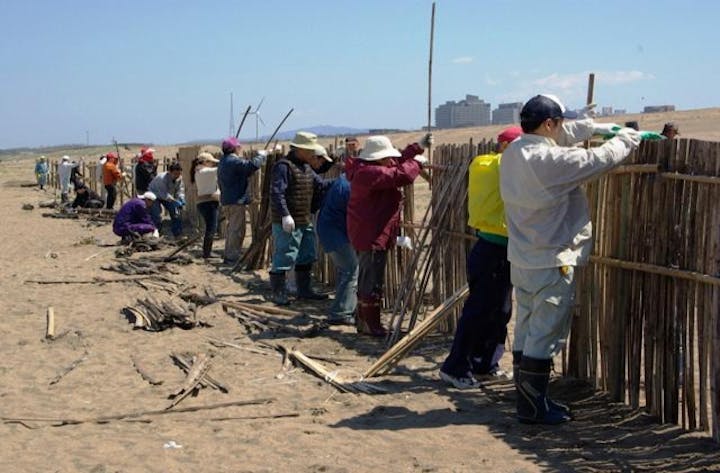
(469, 112)
(507, 113)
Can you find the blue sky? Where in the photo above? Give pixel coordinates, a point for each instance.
(162, 71)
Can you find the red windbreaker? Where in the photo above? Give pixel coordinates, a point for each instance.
(373, 214)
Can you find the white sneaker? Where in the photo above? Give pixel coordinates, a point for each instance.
(464, 382)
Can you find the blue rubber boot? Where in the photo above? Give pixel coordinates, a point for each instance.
(517, 356)
(532, 401)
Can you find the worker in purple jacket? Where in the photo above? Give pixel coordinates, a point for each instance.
(134, 219)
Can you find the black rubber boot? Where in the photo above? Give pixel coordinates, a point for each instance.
(207, 246)
(532, 401)
(517, 356)
(279, 290)
(304, 284)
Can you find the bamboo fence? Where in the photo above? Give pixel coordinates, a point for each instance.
(646, 323)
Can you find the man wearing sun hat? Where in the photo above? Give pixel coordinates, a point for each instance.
(133, 219)
(233, 174)
(293, 184)
(373, 217)
(549, 234)
(479, 341)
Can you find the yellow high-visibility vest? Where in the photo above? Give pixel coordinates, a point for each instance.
(485, 207)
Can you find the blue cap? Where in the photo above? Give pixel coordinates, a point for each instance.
(544, 106)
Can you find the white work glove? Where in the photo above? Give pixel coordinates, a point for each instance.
(588, 111)
(404, 242)
(156, 233)
(604, 128)
(288, 224)
(421, 159)
(629, 136)
(262, 153)
(427, 141)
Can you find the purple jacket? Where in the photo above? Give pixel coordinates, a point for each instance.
(133, 216)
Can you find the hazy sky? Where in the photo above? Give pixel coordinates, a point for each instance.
(162, 71)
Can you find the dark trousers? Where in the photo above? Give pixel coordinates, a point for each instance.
(111, 196)
(486, 313)
(371, 277)
(209, 212)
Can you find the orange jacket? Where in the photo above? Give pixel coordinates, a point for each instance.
(111, 173)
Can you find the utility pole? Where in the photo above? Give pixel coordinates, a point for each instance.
(87, 138)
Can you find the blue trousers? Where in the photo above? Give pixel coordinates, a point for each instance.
(486, 313)
(291, 249)
(172, 209)
(345, 261)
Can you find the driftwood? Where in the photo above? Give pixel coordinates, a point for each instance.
(68, 369)
(154, 315)
(58, 422)
(332, 377)
(50, 330)
(140, 368)
(87, 281)
(187, 361)
(271, 416)
(257, 321)
(261, 308)
(184, 245)
(142, 266)
(207, 297)
(193, 381)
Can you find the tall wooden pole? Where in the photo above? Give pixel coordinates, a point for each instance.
(430, 62)
(247, 110)
(277, 129)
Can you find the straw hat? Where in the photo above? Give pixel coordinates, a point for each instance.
(377, 148)
(305, 140)
(206, 157)
(321, 152)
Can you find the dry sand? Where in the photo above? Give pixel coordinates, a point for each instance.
(419, 426)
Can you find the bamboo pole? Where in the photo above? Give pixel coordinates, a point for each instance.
(656, 269)
(401, 348)
(50, 330)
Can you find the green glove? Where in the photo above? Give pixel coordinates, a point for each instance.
(645, 135)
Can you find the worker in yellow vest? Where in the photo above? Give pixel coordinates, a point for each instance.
(480, 337)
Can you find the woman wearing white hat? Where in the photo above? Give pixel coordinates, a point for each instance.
(203, 174)
(373, 218)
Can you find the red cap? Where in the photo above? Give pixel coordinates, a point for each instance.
(147, 155)
(509, 135)
(111, 155)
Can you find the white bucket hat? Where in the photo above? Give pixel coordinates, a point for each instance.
(305, 140)
(148, 196)
(321, 152)
(377, 148)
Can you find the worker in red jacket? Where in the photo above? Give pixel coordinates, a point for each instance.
(373, 216)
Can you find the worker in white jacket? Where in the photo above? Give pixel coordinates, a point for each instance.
(550, 233)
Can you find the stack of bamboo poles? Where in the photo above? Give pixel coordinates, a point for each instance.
(258, 253)
(442, 242)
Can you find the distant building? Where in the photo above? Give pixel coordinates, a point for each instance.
(605, 111)
(620, 111)
(659, 108)
(507, 113)
(469, 112)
